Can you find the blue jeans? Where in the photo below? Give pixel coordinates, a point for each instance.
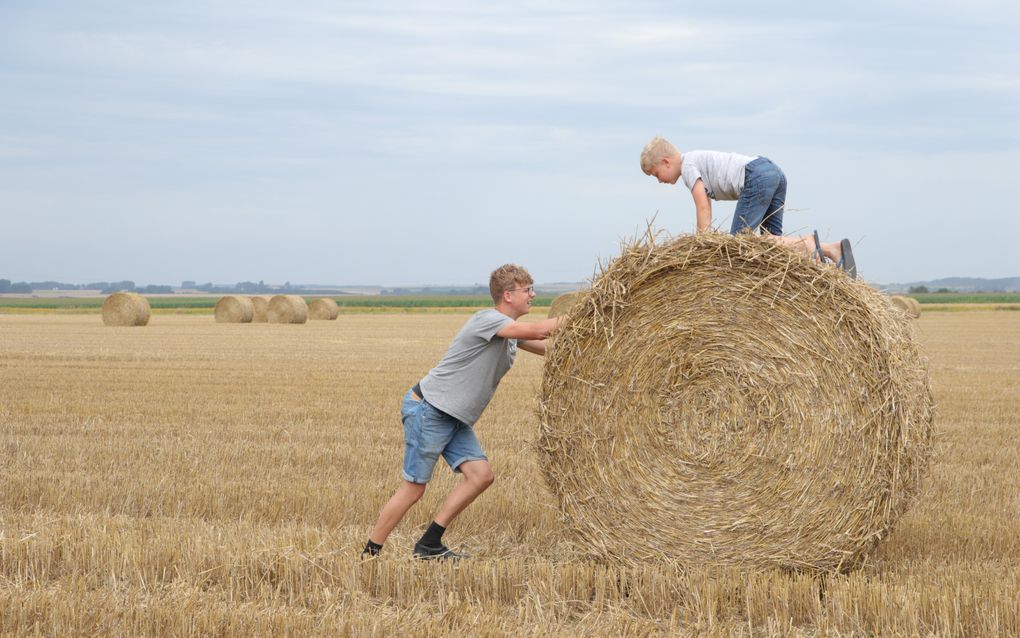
(429, 433)
(762, 199)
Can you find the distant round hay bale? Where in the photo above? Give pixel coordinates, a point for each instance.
(234, 309)
(287, 309)
(562, 304)
(323, 308)
(260, 308)
(721, 400)
(126, 309)
(908, 305)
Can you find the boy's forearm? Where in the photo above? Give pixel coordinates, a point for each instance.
(704, 219)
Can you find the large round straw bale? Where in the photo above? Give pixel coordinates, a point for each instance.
(287, 309)
(722, 400)
(126, 309)
(323, 308)
(234, 309)
(260, 308)
(562, 304)
(909, 305)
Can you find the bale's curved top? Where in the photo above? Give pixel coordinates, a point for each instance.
(323, 308)
(287, 309)
(126, 309)
(260, 308)
(234, 309)
(562, 304)
(723, 400)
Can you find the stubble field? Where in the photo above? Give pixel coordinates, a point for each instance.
(194, 478)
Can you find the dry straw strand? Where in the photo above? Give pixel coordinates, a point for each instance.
(287, 309)
(323, 308)
(722, 400)
(234, 309)
(126, 309)
(260, 309)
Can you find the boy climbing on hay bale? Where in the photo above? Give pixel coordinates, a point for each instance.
(440, 410)
(756, 183)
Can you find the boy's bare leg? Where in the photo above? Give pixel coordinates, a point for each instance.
(477, 477)
(806, 244)
(406, 495)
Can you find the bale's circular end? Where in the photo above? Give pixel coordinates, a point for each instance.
(562, 304)
(323, 308)
(234, 309)
(287, 309)
(723, 400)
(260, 309)
(126, 309)
(909, 305)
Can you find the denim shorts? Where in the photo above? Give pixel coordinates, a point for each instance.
(762, 199)
(429, 432)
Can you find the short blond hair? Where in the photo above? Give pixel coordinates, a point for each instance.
(507, 277)
(654, 151)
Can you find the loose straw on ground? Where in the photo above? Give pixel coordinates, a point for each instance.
(126, 309)
(721, 400)
(234, 309)
(323, 308)
(287, 309)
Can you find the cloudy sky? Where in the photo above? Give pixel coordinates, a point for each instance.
(393, 143)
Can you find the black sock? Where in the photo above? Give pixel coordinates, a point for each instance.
(371, 549)
(433, 536)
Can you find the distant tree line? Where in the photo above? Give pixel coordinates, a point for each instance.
(106, 287)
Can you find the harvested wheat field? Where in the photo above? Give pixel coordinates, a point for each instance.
(189, 480)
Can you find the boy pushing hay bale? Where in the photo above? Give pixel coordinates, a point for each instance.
(721, 400)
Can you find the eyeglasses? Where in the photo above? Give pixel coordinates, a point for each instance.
(529, 289)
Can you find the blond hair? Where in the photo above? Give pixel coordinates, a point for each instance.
(507, 277)
(654, 151)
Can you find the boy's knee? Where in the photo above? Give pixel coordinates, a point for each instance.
(485, 479)
(414, 491)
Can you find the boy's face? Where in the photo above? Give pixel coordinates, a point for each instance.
(667, 170)
(520, 297)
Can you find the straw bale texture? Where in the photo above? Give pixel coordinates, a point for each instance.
(260, 309)
(323, 308)
(722, 400)
(287, 309)
(234, 309)
(908, 305)
(562, 304)
(126, 309)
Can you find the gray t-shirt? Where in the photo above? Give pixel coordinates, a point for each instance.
(463, 382)
(721, 173)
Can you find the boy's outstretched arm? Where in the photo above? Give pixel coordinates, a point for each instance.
(703, 206)
(534, 346)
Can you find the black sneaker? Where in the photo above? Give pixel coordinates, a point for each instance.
(440, 552)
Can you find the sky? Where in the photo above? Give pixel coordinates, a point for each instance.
(394, 143)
